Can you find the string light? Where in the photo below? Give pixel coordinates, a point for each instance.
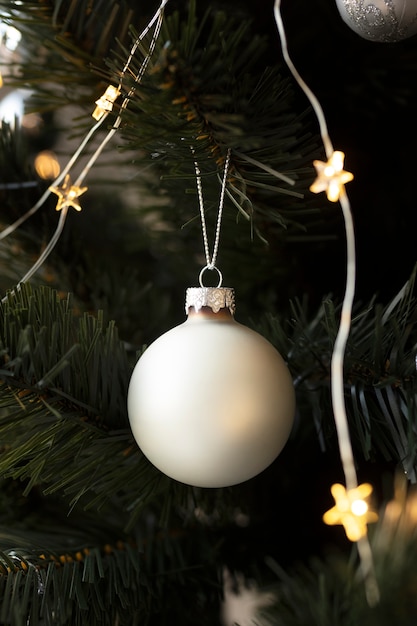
(351, 510)
(105, 103)
(47, 165)
(7, 231)
(68, 194)
(331, 178)
(10, 36)
(157, 21)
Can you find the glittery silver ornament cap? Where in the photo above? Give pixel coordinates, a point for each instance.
(216, 298)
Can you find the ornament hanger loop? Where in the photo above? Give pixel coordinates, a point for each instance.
(210, 267)
(210, 262)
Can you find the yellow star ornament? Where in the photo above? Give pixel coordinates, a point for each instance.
(68, 194)
(331, 176)
(351, 510)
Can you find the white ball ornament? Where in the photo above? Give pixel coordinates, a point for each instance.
(211, 402)
(380, 20)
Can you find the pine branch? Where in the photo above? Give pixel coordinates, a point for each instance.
(196, 96)
(65, 41)
(63, 426)
(196, 93)
(63, 389)
(63, 434)
(94, 587)
(69, 579)
(330, 591)
(380, 378)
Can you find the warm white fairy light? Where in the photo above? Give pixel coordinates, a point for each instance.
(359, 508)
(7, 231)
(10, 36)
(351, 510)
(105, 103)
(47, 165)
(332, 180)
(68, 194)
(331, 176)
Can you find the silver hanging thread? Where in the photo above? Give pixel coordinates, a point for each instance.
(211, 261)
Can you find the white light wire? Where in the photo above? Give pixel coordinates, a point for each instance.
(337, 361)
(46, 252)
(50, 246)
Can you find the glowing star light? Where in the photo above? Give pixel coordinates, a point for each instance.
(68, 194)
(351, 510)
(331, 176)
(105, 103)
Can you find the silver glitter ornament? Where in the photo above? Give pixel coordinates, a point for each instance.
(380, 20)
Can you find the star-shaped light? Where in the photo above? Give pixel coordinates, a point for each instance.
(105, 103)
(68, 194)
(331, 176)
(351, 510)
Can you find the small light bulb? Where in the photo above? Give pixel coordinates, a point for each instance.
(47, 165)
(105, 103)
(351, 510)
(331, 176)
(12, 38)
(359, 507)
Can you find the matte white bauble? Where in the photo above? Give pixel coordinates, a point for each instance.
(380, 20)
(211, 402)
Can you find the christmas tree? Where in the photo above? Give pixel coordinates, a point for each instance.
(91, 532)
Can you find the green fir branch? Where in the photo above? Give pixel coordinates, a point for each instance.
(379, 372)
(61, 43)
(63, 416)
(84, 569)
(63, 389)
(330, 591)
(196, 96)
(211, 84)
(111, 584)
